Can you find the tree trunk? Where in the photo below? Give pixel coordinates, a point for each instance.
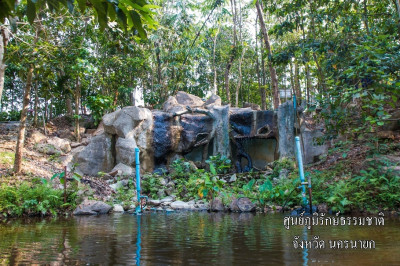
(3, 45)
(51, 109)
(116, 98)
(158, 67)
(297, 82)
(35, 118)
(309, 85)
(215, 89)
(77, 97)
(22, 126)
(232, 57)
(239, 79)
(274, 79)
(293, 90)
(227, 69)
(261, 88)
(68, 102)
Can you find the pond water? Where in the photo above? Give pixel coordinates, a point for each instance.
(188, 238)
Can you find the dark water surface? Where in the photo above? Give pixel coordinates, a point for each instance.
(188, 239)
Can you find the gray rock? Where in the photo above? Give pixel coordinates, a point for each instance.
(120, 184)
(47, 149)
(285, 128)
(217, 205)
(234, 205)
(118, 208)
(75, 144)
(37, 137)
(312, 148)
(92, 207)
(169, 191)
(201, 207)
(213, 100)
(187, 99)
(160, 193)
(66, 159)
(322, 208)
(180, 205)
(125, 151)
(108, 122)
(233, 178)
(245, 205)
(283, 174)
(123, 170)
(168, 199)
(253, 106)
(153, 202)
(60, 144)
(172, 106)
(97, 156)
(66, 134)
(124, 122)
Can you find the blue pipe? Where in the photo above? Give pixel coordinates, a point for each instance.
(301, 169)
(138, 241)
(294, 104)
(138, 209)
(139, 196)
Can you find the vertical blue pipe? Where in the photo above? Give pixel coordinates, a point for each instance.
(294, 104)
(138, 210)
(301, 170)
(138, 240)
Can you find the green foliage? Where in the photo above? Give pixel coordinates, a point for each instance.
(221, 164)
(180, 168)
(34, 199)
(7, 158)
(129, 14)
(284, 163)
(99, 105)
(209, 185)
(10, 116)
(125, 195)
(270, 190)
(151, 184)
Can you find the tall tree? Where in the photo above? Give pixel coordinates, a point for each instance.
(272, 71)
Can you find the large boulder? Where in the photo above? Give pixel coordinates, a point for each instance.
(213, 100)
(60, 144)
(66, 159)
(187, 99)
(48, 149)
(217, 205)
(313, 147)
(123, 169)
(124, 130)
(97, 156)
(180, 205)
(286, 129)
(37, 137)
(124, 122)
(172, 106)
(245, 205)
(125, 151)
(92, 207)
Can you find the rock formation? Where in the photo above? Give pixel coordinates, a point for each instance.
(191, 128)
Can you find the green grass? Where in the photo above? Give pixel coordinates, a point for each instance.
(7, 157)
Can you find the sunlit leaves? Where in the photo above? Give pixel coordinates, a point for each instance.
(130, 14)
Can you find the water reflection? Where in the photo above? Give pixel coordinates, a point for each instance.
(138, 240)
(186, 239)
